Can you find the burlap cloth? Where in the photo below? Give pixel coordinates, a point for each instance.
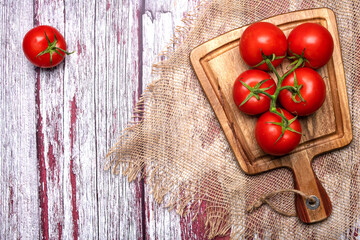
(177, 143)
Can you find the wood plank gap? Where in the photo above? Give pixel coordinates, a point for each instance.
(35, 9)
(40, 151)
(61, 225)
(75, 211)
(96, 130)
(140, 13)
(73, 179)
(43, 198)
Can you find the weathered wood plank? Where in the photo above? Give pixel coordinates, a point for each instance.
(19, 212)
(159, 22)
(117, 73)
(157, 31)
(80, 158)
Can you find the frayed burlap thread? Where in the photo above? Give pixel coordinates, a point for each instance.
(177, 143)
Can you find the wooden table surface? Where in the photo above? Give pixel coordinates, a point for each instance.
(57, 125)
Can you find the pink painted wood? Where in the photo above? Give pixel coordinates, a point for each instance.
(57, 125)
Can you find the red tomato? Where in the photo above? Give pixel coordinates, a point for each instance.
(315, 39)
(267, 134)
(313, 92)
(42, 48)
(267, 37)
(253, 78)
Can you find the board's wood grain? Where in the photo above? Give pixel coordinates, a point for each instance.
(327, 129)
(19, 185)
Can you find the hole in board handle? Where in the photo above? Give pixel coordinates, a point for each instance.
(313, 202)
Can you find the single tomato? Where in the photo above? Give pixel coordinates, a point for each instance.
(256, 102)
(265, 37)
(314, 40)
(313, 92)
(268, 133)
(44, 46)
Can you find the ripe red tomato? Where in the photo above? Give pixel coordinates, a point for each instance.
(253, 79)
(267, 133)
(267, 37)
(44, 46)
(313, 92)
(315, 39)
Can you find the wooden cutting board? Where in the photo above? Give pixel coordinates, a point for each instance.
(217, 63)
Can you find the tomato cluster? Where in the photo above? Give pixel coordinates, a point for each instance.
(299, 92)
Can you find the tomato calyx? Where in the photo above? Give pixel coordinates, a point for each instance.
(51, 49)
(271, 57)
(295, 90)
(284, 124)
(297, 57)
(256, 90)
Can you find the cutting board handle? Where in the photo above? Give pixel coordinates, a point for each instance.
(319, 207)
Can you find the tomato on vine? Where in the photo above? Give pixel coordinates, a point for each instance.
(263, 39)
(304, 92)
(277, 136)
(301, 90)
(311, 41)
(246, 91)
(44, 46)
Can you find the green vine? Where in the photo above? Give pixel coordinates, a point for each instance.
(295, 90)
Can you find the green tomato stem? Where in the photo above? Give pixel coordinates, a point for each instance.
(272, 68)
(255, 91)
(280, 79)
(289, 88)
(265, 93)
(297, 65)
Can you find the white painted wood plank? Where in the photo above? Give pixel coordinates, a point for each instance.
(19, 212)
(80, 148)
(157, 31)
(117, 67)
(159, 22)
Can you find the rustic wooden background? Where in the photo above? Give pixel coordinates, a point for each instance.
(57, 125)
